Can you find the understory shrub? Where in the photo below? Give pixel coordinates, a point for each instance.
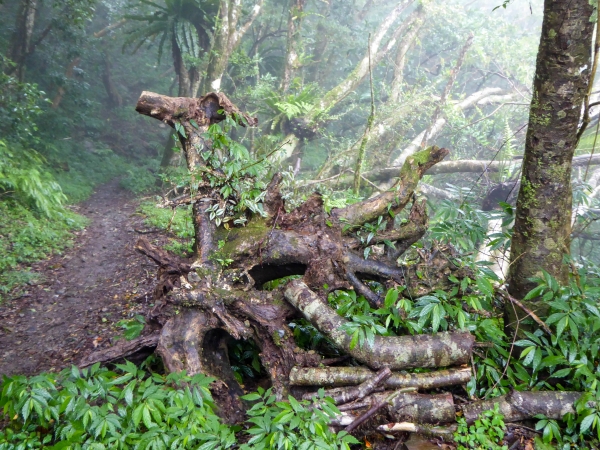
(26, 237)
(132, 408)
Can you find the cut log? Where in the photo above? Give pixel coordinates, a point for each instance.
(395, 352)
(517, 405)
(421, 408)
(409, 406)
(349, 376)
(350, 394)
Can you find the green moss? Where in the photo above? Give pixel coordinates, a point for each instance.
(529, 197)
(276, 338)
(247, 236)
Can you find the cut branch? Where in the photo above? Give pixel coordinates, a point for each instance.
(402, 352)
(347, 376)
(122, 350)
(410, 174)
(345, 395)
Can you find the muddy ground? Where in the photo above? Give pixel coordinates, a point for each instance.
(82, 293)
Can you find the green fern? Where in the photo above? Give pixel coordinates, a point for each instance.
(23, 179)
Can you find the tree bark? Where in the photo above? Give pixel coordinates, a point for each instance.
(226, 38)
(350, 376)
(543, 216)
(402, 352)
(21, 39)
(292, 64)
(415, 23)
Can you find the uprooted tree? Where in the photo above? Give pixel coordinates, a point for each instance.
(220, 295)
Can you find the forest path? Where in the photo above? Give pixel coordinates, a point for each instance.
(83, 293)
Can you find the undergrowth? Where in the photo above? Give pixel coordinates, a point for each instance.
(131, 407)
(178, 223)
(26, 237)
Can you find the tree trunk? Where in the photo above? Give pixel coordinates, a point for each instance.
(226, 39)
(21, 39)
(416, 22)
(61, 91)
(543, 216)
(114, 97)
(296, 13)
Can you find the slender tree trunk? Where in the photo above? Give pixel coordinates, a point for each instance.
(58, 98)
(114, 97)
(403, 48)
(293, 42)
(543, 217)
(226, 39)
(318, 55)
(21, 40)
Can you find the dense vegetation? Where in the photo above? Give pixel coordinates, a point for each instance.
(343, 90)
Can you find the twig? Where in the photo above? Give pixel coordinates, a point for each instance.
(587, 167)
(490, 114)
(146, 231)
(529, 312)
(264, 158)
(376, 407)
(362, 390)
(353, 406)
(512, 346)
(310, 183)
(586, 107)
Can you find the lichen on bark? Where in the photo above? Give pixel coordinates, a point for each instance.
(543, 216)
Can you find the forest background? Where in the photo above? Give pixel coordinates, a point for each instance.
(344, 93)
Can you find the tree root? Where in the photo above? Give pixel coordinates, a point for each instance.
(122, 350)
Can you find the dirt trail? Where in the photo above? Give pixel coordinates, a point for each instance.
(98, 282)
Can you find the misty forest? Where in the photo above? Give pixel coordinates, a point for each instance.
(299, 224)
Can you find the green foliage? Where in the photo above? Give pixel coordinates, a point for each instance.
(140, 179)
(245, 360)
(178, 222)
(229, 169)
(455, 310)
(177, 21)
(131, 408)
(282, 109)
(487, 433)
(23, 179)
(132, 328)
(98, 408)
(26, 237)
(19, 104)
(462, 225)
(293, 424)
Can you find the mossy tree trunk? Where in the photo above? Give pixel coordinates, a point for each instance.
(543, 216)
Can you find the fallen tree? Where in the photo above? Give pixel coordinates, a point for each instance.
(220, 294)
